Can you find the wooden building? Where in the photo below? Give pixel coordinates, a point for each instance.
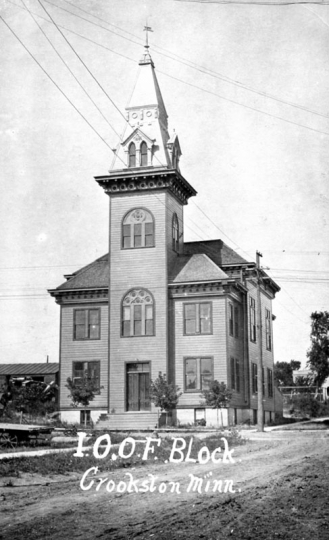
(155, 303)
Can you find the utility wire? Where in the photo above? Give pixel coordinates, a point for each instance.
(78, 56)
(181, 80)
(199, 68)
(52, 80)
(243, 105)
(68, 67)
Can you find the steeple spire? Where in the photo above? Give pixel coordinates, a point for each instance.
(147, 142)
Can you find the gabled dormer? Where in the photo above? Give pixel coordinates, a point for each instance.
(138, 149)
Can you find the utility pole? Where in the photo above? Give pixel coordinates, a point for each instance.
(260, 360)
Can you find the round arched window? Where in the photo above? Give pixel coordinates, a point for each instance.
(137, 314)
(143, 150)
(138, 229)
(132, 155)
(175, 233)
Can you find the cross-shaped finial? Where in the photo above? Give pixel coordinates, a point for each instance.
(147, 29)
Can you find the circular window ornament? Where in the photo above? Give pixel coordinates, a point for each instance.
(149, 113)
(134, 115)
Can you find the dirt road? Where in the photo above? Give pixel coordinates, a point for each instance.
(280, 491)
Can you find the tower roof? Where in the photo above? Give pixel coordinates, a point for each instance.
(147, 121)
(147, 91)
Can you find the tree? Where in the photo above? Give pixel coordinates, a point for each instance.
(283, 372)
(163, 394)
(83, 390)
(218, 396)
(34, 397)
(318, 354)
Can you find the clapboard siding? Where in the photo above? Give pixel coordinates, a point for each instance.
(137, 268)
(213, 345)
(84, 350)
(254, 348)
(235, 347)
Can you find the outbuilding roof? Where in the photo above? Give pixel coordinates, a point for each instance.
(29, 369)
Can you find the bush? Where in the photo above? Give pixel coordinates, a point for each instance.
(305, 405)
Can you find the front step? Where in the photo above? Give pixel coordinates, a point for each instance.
(128, 420)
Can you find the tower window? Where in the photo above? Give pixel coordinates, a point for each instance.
(138, 229)
(132, 155)
(143, 154)
(175, 233)
(137, 314)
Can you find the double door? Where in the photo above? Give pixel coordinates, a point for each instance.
(138, 387)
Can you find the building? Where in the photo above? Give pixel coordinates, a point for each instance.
(47, 373)
(155, 303)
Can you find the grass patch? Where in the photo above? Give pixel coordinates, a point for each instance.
(65, 463)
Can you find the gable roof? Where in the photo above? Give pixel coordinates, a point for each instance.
(197, 267)
(217, 251)
(29, 369)
(95, 274)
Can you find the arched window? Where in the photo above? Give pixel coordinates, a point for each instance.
(138, 229)
(137, 314)
(175, 233)
(132, 155)
(143, 154)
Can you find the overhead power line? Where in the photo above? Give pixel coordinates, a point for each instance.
(69, 69)
(194, 65)
(54, 82)
(181, 80)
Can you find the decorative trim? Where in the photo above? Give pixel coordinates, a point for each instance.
(128, 181)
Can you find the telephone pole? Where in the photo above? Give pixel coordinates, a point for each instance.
(260, 360)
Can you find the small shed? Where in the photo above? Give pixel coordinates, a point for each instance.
(47, 372)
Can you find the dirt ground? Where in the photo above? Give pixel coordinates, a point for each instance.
(281, 491)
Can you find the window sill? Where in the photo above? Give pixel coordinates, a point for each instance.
(148, 335)
(87, 339)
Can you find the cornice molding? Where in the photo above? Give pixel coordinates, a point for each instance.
(73, 296)
(140, 180)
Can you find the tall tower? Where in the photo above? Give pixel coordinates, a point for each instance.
(147, 194)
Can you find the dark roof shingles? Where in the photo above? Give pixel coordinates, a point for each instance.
(29, 369)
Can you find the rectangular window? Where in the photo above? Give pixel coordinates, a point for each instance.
(149, 234)
(236, 322)
(137, 320)
(89, 369)
(263, 381)
(232, 374)
(86, 324)
(126, 236)
(252, 315)
(268, 327)
(198, 374)
(85, 418)
(237, 375)
(148, 320)
(231, 322)
(126, 321)
(270, 382)
(197, 318)
(137, 235)
(254, 378)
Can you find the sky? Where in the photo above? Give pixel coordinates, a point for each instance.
(245, 88)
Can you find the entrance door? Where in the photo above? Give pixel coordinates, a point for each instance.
(138, 387)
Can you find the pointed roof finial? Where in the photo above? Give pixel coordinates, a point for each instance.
(146, 58)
